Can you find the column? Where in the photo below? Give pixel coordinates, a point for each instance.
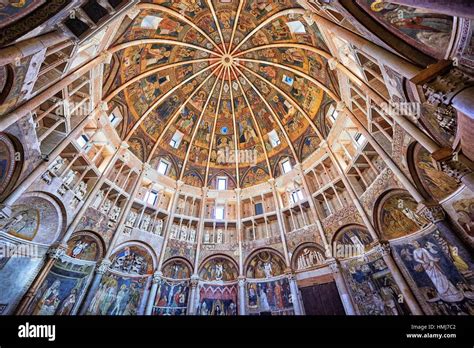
(100, 270)
(154, 289)
(435, 214)
(97, 186)
(41, 168)
(169, 222)
(242, 296)
(385, 250)
(31, 46)
(280, 221)
(341, 287)
(394, 61)
(39, 99)
(295, 294)
(238, 191)
(193, 295)
(53, 254)
(128, 206)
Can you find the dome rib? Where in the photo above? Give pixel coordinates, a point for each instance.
(272, 112)
(188, 151)
(171, 12)
(259, 130)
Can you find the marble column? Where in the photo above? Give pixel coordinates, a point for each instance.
(100, 270)
(192, 295)
(408, 297)
(242, 296)
(280, 221)
(435, 214)
(124, 214)
(169, 222)
(41, 168)
(31, 46)
(53, 254)
(342, 288)
(25, 108)
(295, 294)
(97, 186)
(455, 8)
(154, 289)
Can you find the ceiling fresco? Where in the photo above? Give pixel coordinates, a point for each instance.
(202, 84)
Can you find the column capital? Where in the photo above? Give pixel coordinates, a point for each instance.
(238, 190)
(333, 63)
(103, 266)
(146, 166)
(341, 105)
(179, 184)
(104, 106)
(241, 280)
(432, 212)
(194, 280)
(106, 56)
(57, 251)
(384, 248)
(124, 145)
(334, 265)
(157, 277)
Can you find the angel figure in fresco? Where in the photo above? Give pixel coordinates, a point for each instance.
(79, 248)
(219, 271)
(410, 213)
(267, 269)
(446, 291)
(438, 180)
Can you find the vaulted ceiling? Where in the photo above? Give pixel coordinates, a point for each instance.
(199, 79)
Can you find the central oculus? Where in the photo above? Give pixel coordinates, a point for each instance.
(227, 60)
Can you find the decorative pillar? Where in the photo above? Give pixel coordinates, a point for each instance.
(295, 294)
(242, 296)
(193, 294)
(100, 270)
(280, 221)
(39, 99)
(97, 186)
(41, 168)
(124, 214)
(341, 287)
(435, 214)
(31, 46)
(394, 61)
(385, 250)
(169, 223)
(154, 289)
(238, 192)
(53, 254)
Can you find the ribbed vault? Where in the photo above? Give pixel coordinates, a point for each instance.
(203, 79)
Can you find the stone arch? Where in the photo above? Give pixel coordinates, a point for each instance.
(433, 183)
(11, 163)
(210, 268)
(351, 240)
(36, 217)
(86, 245)
(133, 257)
(395, 215)
(254, 265)
(184, 270)
(315, 256)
